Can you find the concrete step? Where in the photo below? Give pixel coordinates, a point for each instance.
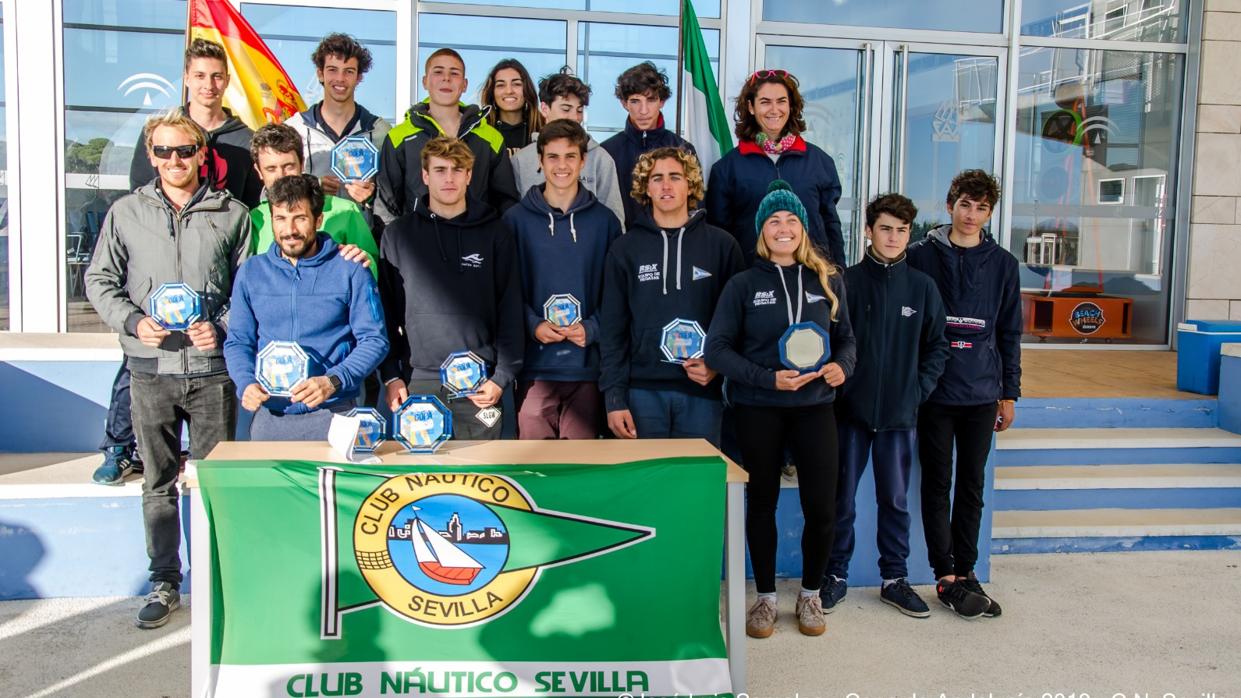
(1108, 477)
(1090, 523)
(1116, 446)
(1130, 412)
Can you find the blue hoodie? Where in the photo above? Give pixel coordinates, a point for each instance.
(327, 304)
(562, 252)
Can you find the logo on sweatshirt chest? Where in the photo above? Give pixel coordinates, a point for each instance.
(700, 274)
(907, 311)
(648, 272)
(814, 297)
(473, 261)
(764, 298)
(968, 323)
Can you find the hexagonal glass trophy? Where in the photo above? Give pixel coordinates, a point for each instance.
(562, 310)
(370, 431)
(355, 158)
(280, 366)
(175, 306)
(805, 347)
(463, 373)
(422, 424)
(682, 340)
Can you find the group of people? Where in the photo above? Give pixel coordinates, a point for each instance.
(479, 214)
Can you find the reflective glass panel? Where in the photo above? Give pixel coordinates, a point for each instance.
(945, 15)
(1097, 136)
(4, 193)
(1126, 20)
(704, 8)
(292, 33)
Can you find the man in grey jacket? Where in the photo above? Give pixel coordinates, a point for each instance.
(564, 96)
(176, 229)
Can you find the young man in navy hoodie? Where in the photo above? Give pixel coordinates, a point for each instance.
(670, 264)
(302, 290)
(449, 282)
(898, 322)
(563, 234)
(642, 91)
(981, 290)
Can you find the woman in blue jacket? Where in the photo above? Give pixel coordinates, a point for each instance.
(770, 147)
(776, 408)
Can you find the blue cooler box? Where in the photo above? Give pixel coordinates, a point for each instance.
(1197, 358)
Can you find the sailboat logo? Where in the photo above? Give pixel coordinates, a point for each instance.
(457, 544)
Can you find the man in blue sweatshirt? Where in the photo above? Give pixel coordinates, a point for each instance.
(302, 290)
(449, 282)
(642, 91)
(563, 233)
(671, 264)
(979, 283)
(898, 322)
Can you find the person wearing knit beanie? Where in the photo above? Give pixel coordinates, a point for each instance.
(780, 197)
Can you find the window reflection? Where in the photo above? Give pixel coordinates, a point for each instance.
(944, 15)
(4, 193)
(1121, 20)
(1097, 135)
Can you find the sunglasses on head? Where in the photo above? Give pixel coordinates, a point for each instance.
(764, 74)
(185, 152)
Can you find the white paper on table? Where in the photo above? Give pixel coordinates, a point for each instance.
(342, 435)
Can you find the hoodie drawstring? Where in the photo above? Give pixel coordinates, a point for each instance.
(663, 271)
(573, 230)
(680, 240)
(551, 224)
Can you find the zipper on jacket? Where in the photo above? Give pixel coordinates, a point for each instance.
(176, 243)
(883, 344)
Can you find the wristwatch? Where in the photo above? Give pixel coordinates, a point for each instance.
(335, 381)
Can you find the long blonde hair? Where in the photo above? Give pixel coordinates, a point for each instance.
(807, 254)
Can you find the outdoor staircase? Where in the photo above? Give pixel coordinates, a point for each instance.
(1117, 475)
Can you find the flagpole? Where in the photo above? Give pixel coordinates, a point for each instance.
(680, 62)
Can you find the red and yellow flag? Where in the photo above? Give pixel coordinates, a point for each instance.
(260, 92)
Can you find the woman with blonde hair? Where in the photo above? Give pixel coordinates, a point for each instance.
(790, 285)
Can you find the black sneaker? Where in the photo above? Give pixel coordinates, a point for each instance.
(160, 603)
(904, 598)
(833, 592)
(964, 602)
(971, 583)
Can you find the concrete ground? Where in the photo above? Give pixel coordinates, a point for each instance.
(1082, 626)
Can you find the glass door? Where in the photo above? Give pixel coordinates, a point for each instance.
(895, 116)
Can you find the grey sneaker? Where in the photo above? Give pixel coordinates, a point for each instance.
(160, 603)
(760, 621)
(810, 619)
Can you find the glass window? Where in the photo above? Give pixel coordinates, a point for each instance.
(4, 194)
(1096, 150)
(607, 50)
(484, 41)
(704, 8)
(1127, 20)
(122, 62)
(944, 15)
(292, 33)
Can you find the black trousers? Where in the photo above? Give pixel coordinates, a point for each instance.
(119, 429)
(810, 435)
(466, 424)
(951, 525)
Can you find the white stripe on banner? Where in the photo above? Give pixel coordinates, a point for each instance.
(698, 127)
(474, 679)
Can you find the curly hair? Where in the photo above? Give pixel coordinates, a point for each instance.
(895, 205)
(205, 48)
(689, 163)
(747, 126)
(563, 84)
(530, 112)
(976, 185)
(643, 78)
(279, 138)
(344, 47)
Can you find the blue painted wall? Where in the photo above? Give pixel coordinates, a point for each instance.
(1230, 393)
(54, 405)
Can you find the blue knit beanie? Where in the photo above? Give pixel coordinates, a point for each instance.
(780, 197)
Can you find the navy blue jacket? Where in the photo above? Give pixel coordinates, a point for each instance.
(752, 315)
(739, 182)
(448, 285)
(981, 290)
(898, 321)
(325, 303)
(562, 252)
(652, 277)
(627, 146)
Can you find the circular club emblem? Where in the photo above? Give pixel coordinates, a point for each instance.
(432, 547)
(1086, 318)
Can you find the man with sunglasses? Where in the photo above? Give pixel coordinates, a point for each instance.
(176, 229)
(226, 165)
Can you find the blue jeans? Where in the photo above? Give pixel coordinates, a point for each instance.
(307, 426)
(893, 454)
(672, 414)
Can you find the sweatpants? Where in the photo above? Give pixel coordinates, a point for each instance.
(951, 526)
(810, 435)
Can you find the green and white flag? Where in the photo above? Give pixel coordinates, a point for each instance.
(706, 124)
(531, 580)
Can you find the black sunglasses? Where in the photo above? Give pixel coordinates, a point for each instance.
(185, 152)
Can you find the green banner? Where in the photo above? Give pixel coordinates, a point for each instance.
(530, 580)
